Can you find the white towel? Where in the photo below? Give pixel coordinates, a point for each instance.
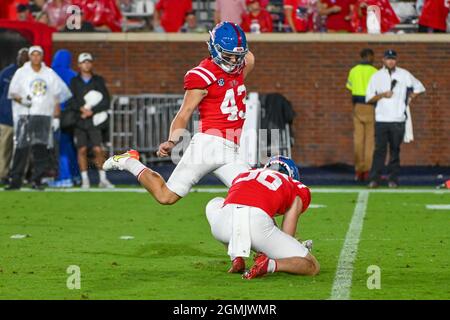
(409, 136)
(240, 242)
(93, 98)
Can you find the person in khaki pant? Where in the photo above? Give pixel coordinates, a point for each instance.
(363, 114)
(6, 118)
(6, 147)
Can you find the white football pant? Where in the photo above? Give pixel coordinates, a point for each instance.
(206, 153)
(265, 236)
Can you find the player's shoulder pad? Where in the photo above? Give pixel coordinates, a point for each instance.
(199, 77)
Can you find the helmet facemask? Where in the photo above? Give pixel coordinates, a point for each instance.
(223, 58)
(283, 165)
(280, 167)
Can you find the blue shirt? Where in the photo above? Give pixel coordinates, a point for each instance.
(5, 103)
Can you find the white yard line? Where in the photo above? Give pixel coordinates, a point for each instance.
(343, 280)
(438, 206)
(316, 206)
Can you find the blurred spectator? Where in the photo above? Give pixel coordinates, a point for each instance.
(42, 17)
(104, 15)
(169, 15)
(264, 3)
(229, 10)
(434, 16)
(191, 25)
(36, 6)
(89, 104)
(68, 165)
(8, 8)
(419, 6)
(298, 15)
(125, 5)
(6, 117)
(257, 19)
(56, 11)
(359, 16)
(363, 114)
(37, 91)
(23, 13)
(338, 13)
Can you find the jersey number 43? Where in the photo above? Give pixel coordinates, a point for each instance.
(229, 105)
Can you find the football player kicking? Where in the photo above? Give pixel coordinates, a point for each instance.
(244, 220)
(217, 87)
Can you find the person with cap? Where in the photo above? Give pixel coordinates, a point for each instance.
(6, 116)
(36, 91)
(23, 13)
(363, 114)
(257, 19)
(391, 89)
(89, 104)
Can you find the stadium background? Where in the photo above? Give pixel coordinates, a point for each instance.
(310, 70)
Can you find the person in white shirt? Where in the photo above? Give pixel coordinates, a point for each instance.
(391, 89)
(36, 91)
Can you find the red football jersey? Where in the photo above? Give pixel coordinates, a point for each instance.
(222, 110)
(271, 191)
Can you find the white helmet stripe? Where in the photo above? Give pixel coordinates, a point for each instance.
(208, 82)
(207, 72)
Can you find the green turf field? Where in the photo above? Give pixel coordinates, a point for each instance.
(174, 256)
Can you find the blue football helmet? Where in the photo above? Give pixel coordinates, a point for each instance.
(284, 165)
(229, 39)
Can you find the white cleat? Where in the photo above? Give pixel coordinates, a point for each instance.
(85, 185)
(116, 162)
(308, 244)
(106, 184)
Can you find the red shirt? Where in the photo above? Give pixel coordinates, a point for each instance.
(336, 21)
(271, 191)
(434, 14)
(299, 14)
(174, 11)
(263, 19)
(222, 110)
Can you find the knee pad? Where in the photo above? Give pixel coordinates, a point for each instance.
(213, 206)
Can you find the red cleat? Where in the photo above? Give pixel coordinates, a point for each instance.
(238, 265)
(259, 268)
(133, 154)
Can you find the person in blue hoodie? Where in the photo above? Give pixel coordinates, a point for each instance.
(68, 164)
(6, 114)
